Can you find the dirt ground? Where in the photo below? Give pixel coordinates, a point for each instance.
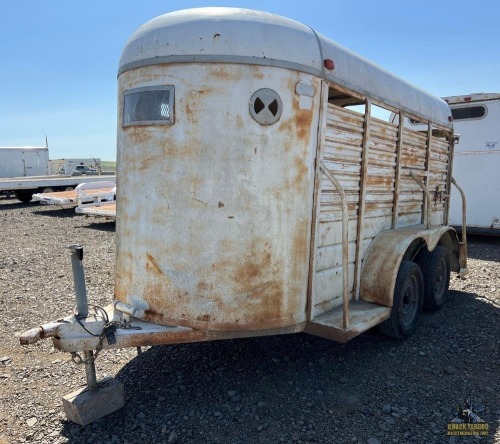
(291, 388)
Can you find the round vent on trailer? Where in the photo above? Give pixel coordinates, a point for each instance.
(266, 106)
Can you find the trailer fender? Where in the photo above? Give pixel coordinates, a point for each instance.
(387, 250)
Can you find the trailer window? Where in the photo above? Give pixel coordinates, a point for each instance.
(149, 106)
(468, 112)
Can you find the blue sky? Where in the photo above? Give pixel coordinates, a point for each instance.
(59, 58)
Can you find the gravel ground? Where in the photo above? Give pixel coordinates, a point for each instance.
(293, 388)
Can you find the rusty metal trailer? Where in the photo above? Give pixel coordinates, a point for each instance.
(299, 210)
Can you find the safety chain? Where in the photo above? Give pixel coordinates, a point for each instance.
(108, 332)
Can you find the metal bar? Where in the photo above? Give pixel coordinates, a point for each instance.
(397, 173)
(427, 204)
(463, 260)
(422, 185)
(451, 154)
(32, 336)
(362, 197)
(345, 245)
(316, 197)
(82, 308)
(90, 370)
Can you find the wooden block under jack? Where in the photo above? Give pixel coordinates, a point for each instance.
(84, 406)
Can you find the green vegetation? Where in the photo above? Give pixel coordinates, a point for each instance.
(108, 165)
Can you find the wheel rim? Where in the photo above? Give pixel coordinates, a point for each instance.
(409, 302)
(440, 280)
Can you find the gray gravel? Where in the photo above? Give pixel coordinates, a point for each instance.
(292, 389)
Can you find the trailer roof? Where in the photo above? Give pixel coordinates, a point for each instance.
(469, 98)
(233, 35)
(26, 148)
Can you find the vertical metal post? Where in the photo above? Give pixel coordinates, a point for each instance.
(451, 152)
(323, 113)
(362, 197)
(462, 246)
(427, 197)
(345, 244)
(90, 370)
(427, 203)
(82, 307)
(397, 173)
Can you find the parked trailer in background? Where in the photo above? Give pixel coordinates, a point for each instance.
(101, 209)
(25, 187)
(25, 171)
(75, 167)
(295, 212)
(476, 163)
(56, 176)
(24, 161)
(85, 193)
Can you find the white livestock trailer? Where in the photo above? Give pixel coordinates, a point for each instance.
(271, 203)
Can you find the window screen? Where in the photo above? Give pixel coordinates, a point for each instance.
(470, 112)
(149, 106)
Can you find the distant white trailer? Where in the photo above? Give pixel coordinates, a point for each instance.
(85, 193)
(24, 161)
(75, 167)
(476, 160)
(476, 163)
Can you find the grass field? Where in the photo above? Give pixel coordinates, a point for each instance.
(108, 165)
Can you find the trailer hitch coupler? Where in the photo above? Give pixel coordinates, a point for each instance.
(82, 308)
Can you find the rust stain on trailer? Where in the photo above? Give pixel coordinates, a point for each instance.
(138, 134)
(248, 273)
(192, 97)
(152, 264)
(257, 72)
(303, 119)
(239, 122)
(286, 128)
(153, 159)
(386, 181)
(204, 286)
(188, 111)
(302, 170)
(225, 73)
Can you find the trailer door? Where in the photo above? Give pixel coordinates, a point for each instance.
(32, 163)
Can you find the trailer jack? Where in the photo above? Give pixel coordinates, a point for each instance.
(97, 398)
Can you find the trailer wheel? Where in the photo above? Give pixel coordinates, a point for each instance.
(435, 268)
(407, 303)
(48, 190)
(24, 195)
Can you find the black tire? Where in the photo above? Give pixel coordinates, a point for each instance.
(48, 190)
(24, 196)
(435, 268)
(407, 302)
